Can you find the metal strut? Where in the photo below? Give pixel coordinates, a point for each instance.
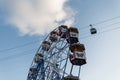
(71, 70)
(42, 70)
(79, 71)
(65, 65)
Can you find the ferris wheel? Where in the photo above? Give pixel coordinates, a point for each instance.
(57, 56)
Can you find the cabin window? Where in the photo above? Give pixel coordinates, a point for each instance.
(79, 54)
(72, 34)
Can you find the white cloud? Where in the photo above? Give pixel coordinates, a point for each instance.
(38, 16)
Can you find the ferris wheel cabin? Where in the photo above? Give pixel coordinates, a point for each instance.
(78, 54)
(46, 45)
(62, 31)
(32, 70)
(38, 57)
(54, 36)
(71, 78)
(72, 35)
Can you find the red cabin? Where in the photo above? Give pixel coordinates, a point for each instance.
(78, 54)
(72, 35)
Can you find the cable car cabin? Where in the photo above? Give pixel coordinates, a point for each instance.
(93, 31)
(72, 35)
(54, 36)
(71, 78)
(62, 31)
(46, 45)
(78, 54)
(38, 57)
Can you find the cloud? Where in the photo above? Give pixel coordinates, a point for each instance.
(36, 17)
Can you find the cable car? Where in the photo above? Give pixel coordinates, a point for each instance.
(78, 54)
(46, 45)
(71, 78)
(72, 35)
(92, 30)
(62, 31)
(38, 57)
(54, 36)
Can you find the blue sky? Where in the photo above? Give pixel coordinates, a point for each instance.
(102, 49)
